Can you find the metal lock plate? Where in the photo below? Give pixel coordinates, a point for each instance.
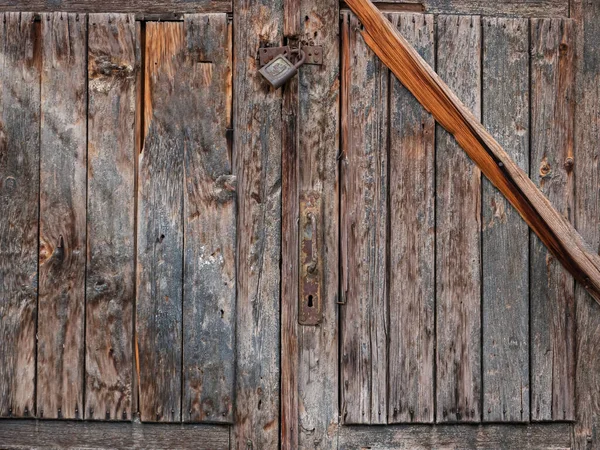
(310, 305)
(278, 71)
(314, 54)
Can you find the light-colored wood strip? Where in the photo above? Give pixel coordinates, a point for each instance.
(458, 243)
(110, 279)
(62, 249)
(552, 161)
(19, 202)
(412, 245)
(364, 233)
(160, 225)
(505, 236)
(209, 222)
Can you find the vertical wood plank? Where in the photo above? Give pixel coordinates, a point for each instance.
(587, 211)
(364, 222)
(62, 251)
(552, 287)
(257, 148)
(505, 236)
(412, 243)
(19, 203)
(209, 222)
(458, 249)
(110, 280)
(160, 225)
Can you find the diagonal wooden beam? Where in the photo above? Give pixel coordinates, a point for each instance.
(420, 79)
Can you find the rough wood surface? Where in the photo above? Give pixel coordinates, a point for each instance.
(411, 236)
(364, 232)
(209, 221)
(143, 7)
(110, 279)
(458, 244)
(19, 203)
(257, 123)
(505, 236)
(587, 211)
(552, 287)
(550, 225)
(423, 437)
(28, 434)
(160, 225)
(62, 250)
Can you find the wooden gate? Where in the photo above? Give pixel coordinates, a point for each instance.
(160, 206)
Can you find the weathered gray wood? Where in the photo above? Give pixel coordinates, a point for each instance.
(142, 7)
(110, 279)
(257, 123)
(505, 236)
(28, 434)
(62, 250)
(363, 206)
(552, 287)
(422, 437)
(19, 202)
(411, 236)
(587, 211)
(458, 252)
(160, 225)
(209, 221)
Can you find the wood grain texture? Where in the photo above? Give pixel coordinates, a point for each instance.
(28, 434)
(110, 279)
(257, 123)
(19, 202)
(62, 250)
(552, 287)
(422, 437)
(160, 225)
(412, 244)
(458, 226)
(505, 236)
(587, 210)
(209, 222)
(364, 186)
(550, 225)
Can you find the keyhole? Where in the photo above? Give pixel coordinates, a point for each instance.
(310, 301)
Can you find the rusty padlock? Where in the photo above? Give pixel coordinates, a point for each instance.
(280, 70)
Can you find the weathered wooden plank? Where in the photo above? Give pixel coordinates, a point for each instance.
(458, 242)
(587, 210)
(209, 222)
(62, 251)
(160, 225)
(412, 244)
(27, 434)
(257, 123)
(19, 202)
(505, 236)
(110, 280)
(415, 437)
(364, 176)
(552, 287)
(142, 7)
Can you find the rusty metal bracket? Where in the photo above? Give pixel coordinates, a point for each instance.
(314, 54)
(310, 305)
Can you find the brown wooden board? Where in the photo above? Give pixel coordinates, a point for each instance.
(364, 174)
(19, 202)
(587, 210)
(411, 240)
(458, 244)
(28, 434)
(505, 236)
(110, 280)
(160, 225)
(62, 250)
(209, 220)
(257, 123)
(552, 287)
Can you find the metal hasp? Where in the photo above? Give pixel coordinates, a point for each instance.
(310, 305)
